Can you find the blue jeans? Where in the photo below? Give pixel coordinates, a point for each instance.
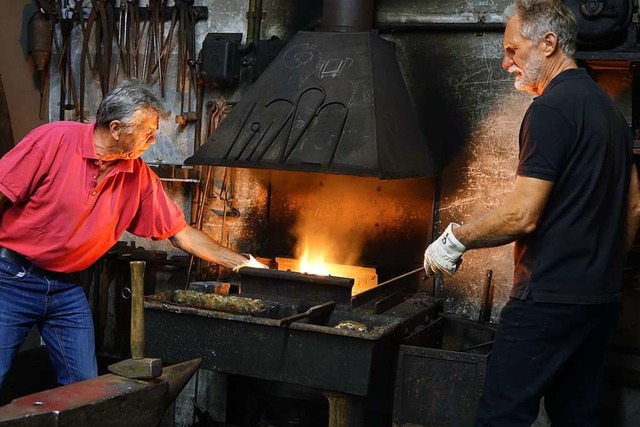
(60, 311)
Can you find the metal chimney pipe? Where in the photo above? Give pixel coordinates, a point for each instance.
(347, 15)
(254, 21)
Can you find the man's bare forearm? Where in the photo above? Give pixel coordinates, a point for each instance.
(496, 228)
(515, 218)
(201, 245)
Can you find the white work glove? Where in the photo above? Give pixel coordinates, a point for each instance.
(251, 262)
(445, 253)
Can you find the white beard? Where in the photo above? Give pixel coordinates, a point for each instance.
(530, 74)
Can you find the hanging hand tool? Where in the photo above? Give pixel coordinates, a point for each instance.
(153, 46)
(205, 191)
(133, 38)
(106, 44)
(226, 196)
(101, 16)
(40, 31)
(226, 187)
(187, 61)
(68, 13)
(202, 172)
(138, 366)
(128, 40)
(201, 191)
(122, 32)
(166, 48)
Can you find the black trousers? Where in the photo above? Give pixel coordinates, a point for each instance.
(550, 350)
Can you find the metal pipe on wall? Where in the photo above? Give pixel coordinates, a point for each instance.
(468, 21)
(347, 15)
(254, 21)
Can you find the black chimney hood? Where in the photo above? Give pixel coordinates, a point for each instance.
(330, 102)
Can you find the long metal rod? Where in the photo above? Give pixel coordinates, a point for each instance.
(378, 290)
(402, 276)
(485, 306)
(473, 347)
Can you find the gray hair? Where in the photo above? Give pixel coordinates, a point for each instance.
(539, 17)
(122, 102)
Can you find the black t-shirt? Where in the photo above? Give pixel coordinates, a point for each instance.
(573, 135)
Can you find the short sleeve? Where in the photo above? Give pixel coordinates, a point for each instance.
(545, 142)
(158, 217)
(21, 169)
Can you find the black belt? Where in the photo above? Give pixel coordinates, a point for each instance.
(22, 261)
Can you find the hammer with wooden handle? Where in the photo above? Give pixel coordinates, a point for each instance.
(138, 366)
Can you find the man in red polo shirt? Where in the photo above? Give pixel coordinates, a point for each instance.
(68, 191)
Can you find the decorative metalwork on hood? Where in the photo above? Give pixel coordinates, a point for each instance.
(331, 103)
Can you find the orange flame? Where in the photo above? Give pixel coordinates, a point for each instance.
(313, 264)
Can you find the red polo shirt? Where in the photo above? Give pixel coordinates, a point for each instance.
(61, 219)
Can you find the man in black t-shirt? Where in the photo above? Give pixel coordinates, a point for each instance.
(573, 215)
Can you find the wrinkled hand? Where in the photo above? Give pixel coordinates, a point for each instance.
(444, 254)
(251, 262)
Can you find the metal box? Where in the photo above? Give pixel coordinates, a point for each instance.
(220, 58)
(439, 379)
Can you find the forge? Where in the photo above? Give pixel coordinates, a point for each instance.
(349, 352)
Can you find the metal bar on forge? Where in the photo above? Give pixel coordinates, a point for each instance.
(294, 287)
